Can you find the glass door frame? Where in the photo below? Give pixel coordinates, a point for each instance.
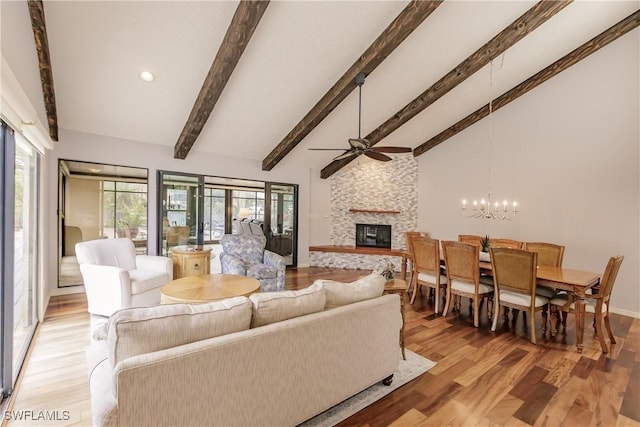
(10, 368)
(159, 212)
(267, 216)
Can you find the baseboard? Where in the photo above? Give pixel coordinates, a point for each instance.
(67, 290)
(624, 312)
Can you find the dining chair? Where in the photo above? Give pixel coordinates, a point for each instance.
(426, 267)
(597, 304)
(514, 279)
(548, 253)
(408, 235)
(470, 238)
(506, 243)
(463, 277)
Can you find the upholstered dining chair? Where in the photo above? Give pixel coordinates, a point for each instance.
(597, 304)
(426, 267)
(548, 253)
(506, 243)
(245, 255)
(514, 279)
(462, 263)
(407, 236)
(115, 277)
(471, 239)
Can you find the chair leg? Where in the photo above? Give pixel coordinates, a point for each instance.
(476, 314)
(600, 333)
(532, 326)
(494, 324)
(414, 286)
(608, 326)
(545, 316)
(436, 298)
(564, 319)
(555, 318)
(447, 302)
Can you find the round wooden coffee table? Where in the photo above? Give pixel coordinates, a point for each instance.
(210, 287)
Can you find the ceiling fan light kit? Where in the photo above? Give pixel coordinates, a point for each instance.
(360, 145)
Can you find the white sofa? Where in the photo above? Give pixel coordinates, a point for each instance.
(115, 277)
(158, 368)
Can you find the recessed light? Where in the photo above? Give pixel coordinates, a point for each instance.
(147, 76)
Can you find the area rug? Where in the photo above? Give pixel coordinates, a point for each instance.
(414, 366)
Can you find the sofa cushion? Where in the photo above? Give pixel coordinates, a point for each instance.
(339, 293)
(271, 307)
(145, 280)
(134, 331)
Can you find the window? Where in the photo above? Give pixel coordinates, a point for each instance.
(248, 204)
(214, 214)
(124, 210)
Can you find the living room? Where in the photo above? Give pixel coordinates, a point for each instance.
(567, 151)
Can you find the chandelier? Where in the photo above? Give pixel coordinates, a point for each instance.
(485, 208)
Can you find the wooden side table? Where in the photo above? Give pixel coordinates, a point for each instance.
(190, 261)
(398, 286)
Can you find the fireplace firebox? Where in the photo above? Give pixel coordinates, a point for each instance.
(373, 235)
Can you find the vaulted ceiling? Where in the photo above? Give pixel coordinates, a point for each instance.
(298, 51)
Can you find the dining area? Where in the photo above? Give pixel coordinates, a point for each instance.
(526, 279)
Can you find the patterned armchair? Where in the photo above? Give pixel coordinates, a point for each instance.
(244, 254)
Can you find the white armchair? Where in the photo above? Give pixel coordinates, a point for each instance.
(114, 277)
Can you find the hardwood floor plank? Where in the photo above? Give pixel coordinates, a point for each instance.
(560, 404)
(411, 418)
(630, 405)
(525, 387)
(535, 403)
(504, 410)
(577, 416)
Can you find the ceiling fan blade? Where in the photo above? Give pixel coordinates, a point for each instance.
(391, 149)
(345, 155)
(359, 143)
(326, 149)
(377, 156)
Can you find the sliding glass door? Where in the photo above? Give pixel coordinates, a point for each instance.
(19, 164)
(180, 210)
(196, 209)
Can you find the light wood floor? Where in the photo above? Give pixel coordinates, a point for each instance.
(482, 378)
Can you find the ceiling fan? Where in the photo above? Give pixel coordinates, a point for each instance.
(361, 145)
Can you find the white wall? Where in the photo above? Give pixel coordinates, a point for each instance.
(93, 148)
(83, 206)
(568, 151)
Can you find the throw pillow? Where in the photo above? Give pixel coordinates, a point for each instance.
(142, 330)
(339, 293)
(271, 307)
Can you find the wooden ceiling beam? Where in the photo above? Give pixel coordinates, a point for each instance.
(518, 29)
(38, 24)
(577, 55)
(403, 25)
(244, 22)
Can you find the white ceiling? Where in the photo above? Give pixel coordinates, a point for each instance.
(296, 54)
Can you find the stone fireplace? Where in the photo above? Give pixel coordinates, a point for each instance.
(371, 193)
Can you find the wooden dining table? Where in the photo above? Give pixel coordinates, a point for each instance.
(574, 281)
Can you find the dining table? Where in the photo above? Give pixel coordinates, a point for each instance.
(576, 282)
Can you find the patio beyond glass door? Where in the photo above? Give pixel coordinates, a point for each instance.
(181, 210)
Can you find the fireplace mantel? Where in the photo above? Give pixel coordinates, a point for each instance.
(373, 211)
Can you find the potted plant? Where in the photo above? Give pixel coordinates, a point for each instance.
(485, 243)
